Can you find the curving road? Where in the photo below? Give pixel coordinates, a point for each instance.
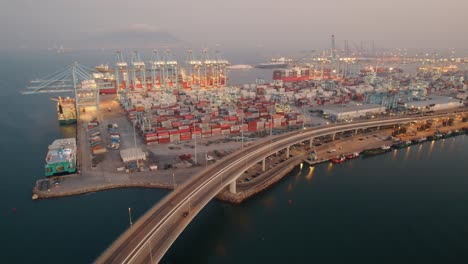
(151, 236)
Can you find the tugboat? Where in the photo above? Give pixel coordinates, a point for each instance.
(338, 159)
(447, 134)
(421, 140)
(402, 144)
(438, 135)
(311, 158)
(376, 151)
(352, 155)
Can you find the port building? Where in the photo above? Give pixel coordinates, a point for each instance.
(347, 112)
(435, 104)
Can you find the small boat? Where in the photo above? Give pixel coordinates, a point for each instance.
(338, 159)
(447, 134)
(438, 135)
(352, 155)
(386, 147)
(312, 158)
(376, 151)
(421, 139)
(402, 144)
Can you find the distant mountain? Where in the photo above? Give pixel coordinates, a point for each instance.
(134, 36)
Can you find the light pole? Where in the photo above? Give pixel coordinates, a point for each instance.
(130, 215)
(242, 129)
(173, 179)
(196, 160)
(134, 141)
(151, 253)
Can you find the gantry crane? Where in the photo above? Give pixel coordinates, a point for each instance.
(74, 78)
(121, 72)
(157, 70)
(138, 71)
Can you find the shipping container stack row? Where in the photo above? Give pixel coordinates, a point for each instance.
(177, 133)
(94, 137)
(114, 136)
(187, 117)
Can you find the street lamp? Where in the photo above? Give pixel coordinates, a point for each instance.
(130, 215)
(173, 178)
(242, 129)
(196, 160)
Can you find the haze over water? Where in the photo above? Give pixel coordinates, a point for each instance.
(408, 206)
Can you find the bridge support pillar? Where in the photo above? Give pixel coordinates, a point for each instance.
(356, 131)
(311, 142)
(334, 135)
(232, 187)
(263, 164)
(287, 152)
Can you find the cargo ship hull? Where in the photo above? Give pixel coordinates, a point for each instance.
(61, 157)
(67, 121)
(66, 110)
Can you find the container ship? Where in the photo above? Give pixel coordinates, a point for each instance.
(274, 63)
(66, 110)
(61, 157)
(292, 75)
(240, 67)
(105, 79)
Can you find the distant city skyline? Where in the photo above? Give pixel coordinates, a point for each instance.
(241, 24)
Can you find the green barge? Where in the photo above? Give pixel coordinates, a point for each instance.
(61, 157)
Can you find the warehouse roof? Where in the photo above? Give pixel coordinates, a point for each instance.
(436, 100)
(132, 154)
(338, 108)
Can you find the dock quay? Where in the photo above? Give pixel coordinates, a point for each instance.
(104, 176)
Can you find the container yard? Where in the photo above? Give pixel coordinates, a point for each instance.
(156, 125)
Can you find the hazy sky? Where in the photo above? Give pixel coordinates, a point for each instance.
(297, 24)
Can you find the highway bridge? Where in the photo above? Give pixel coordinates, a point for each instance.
(147, 240)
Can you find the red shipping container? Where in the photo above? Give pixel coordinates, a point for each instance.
(151, 134)
(185, 136)
(164, 140)
(163, 135)
(216, 131)
(174, 132)
(151, 142)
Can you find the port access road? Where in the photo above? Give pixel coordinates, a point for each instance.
(147, 240)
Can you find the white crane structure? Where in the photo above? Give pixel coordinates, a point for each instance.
(138, 71)
(74, 78)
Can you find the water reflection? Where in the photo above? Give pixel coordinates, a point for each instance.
(408, 149)
(220, 250)
(419, 151)
(268, 201)
(310, 174)
(430, 148)
(452, 145)
(290, 187)
(442, 145)
(243, 220)
(395, 152)
(298, 175)
(68, 131)
(329, 168)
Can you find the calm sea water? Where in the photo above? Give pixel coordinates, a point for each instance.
(407, 206)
